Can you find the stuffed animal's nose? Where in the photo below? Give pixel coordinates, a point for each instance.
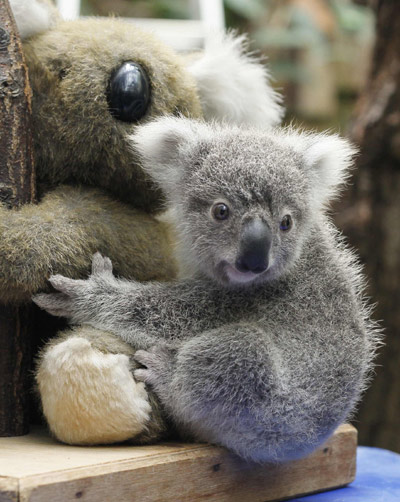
(255, 243)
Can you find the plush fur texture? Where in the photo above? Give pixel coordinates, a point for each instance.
(89, 394)
(101, 402)
(234, 85)
(93, 196)
(70, 67)
(33, 16)
(66, 228)
(267, 364)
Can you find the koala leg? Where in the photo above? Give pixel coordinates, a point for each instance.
(240, 387)
(88, 392)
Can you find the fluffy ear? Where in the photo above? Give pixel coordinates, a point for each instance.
(234, 85)
(163, 145)
(33, 16)
(328, 159)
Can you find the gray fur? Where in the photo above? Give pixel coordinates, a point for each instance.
(267, 366)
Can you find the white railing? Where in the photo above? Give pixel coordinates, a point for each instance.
(182, 35)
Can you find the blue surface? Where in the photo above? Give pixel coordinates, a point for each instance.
(377, 480)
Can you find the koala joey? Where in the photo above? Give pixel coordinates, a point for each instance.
(264, 344)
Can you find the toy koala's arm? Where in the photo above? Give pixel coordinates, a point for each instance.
(140, 313)
(61, 233)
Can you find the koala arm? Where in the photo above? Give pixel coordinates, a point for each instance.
(60, 234)
(142, 314)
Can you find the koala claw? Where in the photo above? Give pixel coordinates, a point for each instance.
(75, 297)
(143, 375)
(57, 304)
(158, 355)
(101, 265)
(66, 285)
(157, 361)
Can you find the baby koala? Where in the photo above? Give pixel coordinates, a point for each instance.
(265, 344)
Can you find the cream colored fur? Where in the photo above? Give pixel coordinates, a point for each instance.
(89, 396)
(233, 85)
(33, 16)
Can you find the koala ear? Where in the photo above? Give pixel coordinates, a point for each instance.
(33, 16)
(163, 145)
(234, 85)
(328, 159)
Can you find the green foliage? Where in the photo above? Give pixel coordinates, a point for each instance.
(248, 9)
(178, 9)
(351, 17)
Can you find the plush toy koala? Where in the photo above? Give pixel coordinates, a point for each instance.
(266, 346)
(94, 81)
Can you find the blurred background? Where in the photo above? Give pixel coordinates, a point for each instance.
(337, 64)
(318, 50)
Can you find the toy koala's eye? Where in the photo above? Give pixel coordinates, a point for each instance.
(128, 92)
(286, 223)
(220, 211)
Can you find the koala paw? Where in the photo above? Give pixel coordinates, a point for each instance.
(101, 266)
(158, 364)
(75, 296)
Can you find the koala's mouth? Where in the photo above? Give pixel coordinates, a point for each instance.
(235, 276)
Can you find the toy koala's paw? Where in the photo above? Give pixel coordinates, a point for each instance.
(75, 297)
(158, 365)
(89, 396)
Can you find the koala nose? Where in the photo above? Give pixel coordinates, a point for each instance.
(255, 244)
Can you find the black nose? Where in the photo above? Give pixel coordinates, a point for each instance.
(255, 243)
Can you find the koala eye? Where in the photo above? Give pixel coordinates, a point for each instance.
(128, 92)
(286, 223)
(220, 211)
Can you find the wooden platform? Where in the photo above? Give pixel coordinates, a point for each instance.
(35, 468)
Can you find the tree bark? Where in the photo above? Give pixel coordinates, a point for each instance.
(370, 216)
(17, 186)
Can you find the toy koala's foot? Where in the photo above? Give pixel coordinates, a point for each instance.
(88, 392)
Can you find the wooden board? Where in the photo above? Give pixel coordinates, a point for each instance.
(35, 468)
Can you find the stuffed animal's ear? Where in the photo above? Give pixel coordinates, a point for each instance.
(33, 16)
(328, 159)
(163, 145)
(234, 85)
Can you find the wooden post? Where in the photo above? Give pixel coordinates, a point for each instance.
(17, 186)
(370, 217)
